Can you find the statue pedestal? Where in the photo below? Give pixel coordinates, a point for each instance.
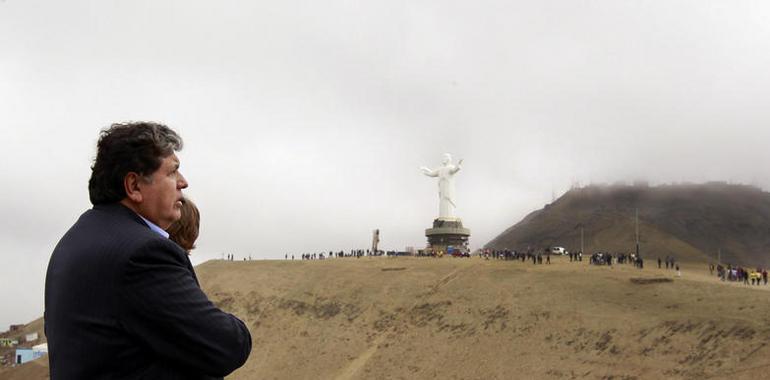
(447, 233)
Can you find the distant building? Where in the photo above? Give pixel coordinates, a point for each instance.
(24, 355)
(41, 347)
(31, 337)
(7, 342)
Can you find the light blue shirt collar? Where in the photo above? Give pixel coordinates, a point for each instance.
(155, 228)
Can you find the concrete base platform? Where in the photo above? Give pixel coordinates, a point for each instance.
(446, 233)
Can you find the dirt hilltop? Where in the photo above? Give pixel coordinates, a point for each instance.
(691, 222)
(413, 318)
(417, 318)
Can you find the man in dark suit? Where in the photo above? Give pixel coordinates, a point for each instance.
(121, 299)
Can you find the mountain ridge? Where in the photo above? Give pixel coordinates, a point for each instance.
(691, 222)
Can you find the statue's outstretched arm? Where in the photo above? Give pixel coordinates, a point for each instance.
(428, 172)
(457, 167)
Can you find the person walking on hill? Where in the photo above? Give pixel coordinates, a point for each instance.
(121, 299)
(659, 262)
(678, 272)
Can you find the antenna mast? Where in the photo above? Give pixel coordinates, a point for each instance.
(637, 233)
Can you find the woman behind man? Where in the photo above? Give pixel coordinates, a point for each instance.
(184, 232)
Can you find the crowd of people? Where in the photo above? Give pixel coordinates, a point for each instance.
(357, 253)
(575, 256)
(606, 258)
(601, 258)
(757, 276)
(231, 257)
(730, 273)
(507, 254)
(748, 276)
(598, 258)
(670, 262)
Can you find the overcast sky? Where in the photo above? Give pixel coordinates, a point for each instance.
(305, 122)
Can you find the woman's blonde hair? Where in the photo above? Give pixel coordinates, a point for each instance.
(185, 230)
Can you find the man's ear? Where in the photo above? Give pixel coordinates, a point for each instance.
(131, 185)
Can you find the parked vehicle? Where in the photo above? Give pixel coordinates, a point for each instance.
(558, 251)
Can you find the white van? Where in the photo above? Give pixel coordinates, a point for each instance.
(558, 251)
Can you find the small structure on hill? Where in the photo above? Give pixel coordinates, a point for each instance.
(8, 342)
(31, 337)
(24, 355)
(375, 240)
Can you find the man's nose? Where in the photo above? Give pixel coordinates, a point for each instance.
(181, 182)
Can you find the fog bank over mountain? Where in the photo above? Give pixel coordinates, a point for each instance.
(690, 222)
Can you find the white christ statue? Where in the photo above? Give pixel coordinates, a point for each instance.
(446, 186)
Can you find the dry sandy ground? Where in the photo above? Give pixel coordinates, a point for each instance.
(406, 318)
(422, 318)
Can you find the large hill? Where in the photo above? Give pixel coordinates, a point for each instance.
(689, 222)
(451, 318)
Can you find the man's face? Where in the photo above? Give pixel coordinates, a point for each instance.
(162, 195)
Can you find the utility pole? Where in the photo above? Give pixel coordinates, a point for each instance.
(581, 237)
(637, 234)
(719, 256)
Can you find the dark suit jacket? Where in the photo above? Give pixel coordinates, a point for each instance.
(123, 302)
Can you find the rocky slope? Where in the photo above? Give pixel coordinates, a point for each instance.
(689, 222)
